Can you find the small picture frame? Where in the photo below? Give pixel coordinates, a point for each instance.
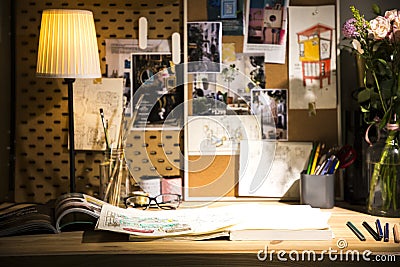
(228, 9)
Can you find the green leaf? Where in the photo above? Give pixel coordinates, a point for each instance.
(364, 109)
(376, 46)
(376, 9)
(383, 67)
(386, 88)
(364, 95)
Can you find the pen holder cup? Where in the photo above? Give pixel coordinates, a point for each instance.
(318, 191)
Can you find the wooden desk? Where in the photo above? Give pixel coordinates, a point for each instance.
(110, 249)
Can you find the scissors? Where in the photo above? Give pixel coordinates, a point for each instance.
(346, 155)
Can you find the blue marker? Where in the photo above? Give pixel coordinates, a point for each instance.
(379, 228)
(386, 233)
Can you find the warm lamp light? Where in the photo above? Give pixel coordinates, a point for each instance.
(68, 49)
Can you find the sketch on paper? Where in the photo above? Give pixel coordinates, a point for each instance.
(270, 105)
(266, 22)
(89, 98)
(162, 223)
(272, 169)
(204, 46)
(312, 68)
(221, 135)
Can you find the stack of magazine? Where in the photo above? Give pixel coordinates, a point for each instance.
(74, 211)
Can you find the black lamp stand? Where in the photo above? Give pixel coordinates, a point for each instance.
(71, 133)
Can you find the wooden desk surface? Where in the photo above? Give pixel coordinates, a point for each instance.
(94, 248)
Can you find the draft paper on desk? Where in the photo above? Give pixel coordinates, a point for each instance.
(206, 220)
(272, 169)
(89, 97)
(164, 223)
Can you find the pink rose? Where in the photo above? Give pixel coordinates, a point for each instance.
(391, 14)
(380, 27)
(396, 29)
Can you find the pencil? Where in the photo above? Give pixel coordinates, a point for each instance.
(374, 234)
(396, 236)
(311, 159)
(356, 231)
(314, 164)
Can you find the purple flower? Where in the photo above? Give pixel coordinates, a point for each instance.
(349, 29)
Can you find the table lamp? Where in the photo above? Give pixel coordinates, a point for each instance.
(68, 49)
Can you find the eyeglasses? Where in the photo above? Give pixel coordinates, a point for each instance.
(163, 201)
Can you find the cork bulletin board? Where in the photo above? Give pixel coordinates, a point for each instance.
(302, 127)
(41, 156)
(41, 145)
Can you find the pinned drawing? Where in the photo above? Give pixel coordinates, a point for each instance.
(272, 169)
(312, 58)
(90, 96)
(315, 53)
(221, 135)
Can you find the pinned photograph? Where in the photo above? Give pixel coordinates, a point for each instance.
(270, 105)
(205, 46)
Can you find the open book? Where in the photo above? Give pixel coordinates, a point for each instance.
(287, 222)
(73, 211)
(234, 222)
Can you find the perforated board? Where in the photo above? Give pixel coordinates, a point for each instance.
(42, 159)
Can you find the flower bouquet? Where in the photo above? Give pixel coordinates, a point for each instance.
(377, 43)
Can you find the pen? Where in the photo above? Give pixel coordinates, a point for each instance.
(379, 228)
(386, 232)
(396, 236)
(371, 231)
(355, 231)
(334, 166)
(328, 165)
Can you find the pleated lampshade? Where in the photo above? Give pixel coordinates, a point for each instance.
(68, 45)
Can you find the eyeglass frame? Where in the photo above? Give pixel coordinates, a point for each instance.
(146, 206)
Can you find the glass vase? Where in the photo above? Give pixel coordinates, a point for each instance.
(383, 163)
(115, 180)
